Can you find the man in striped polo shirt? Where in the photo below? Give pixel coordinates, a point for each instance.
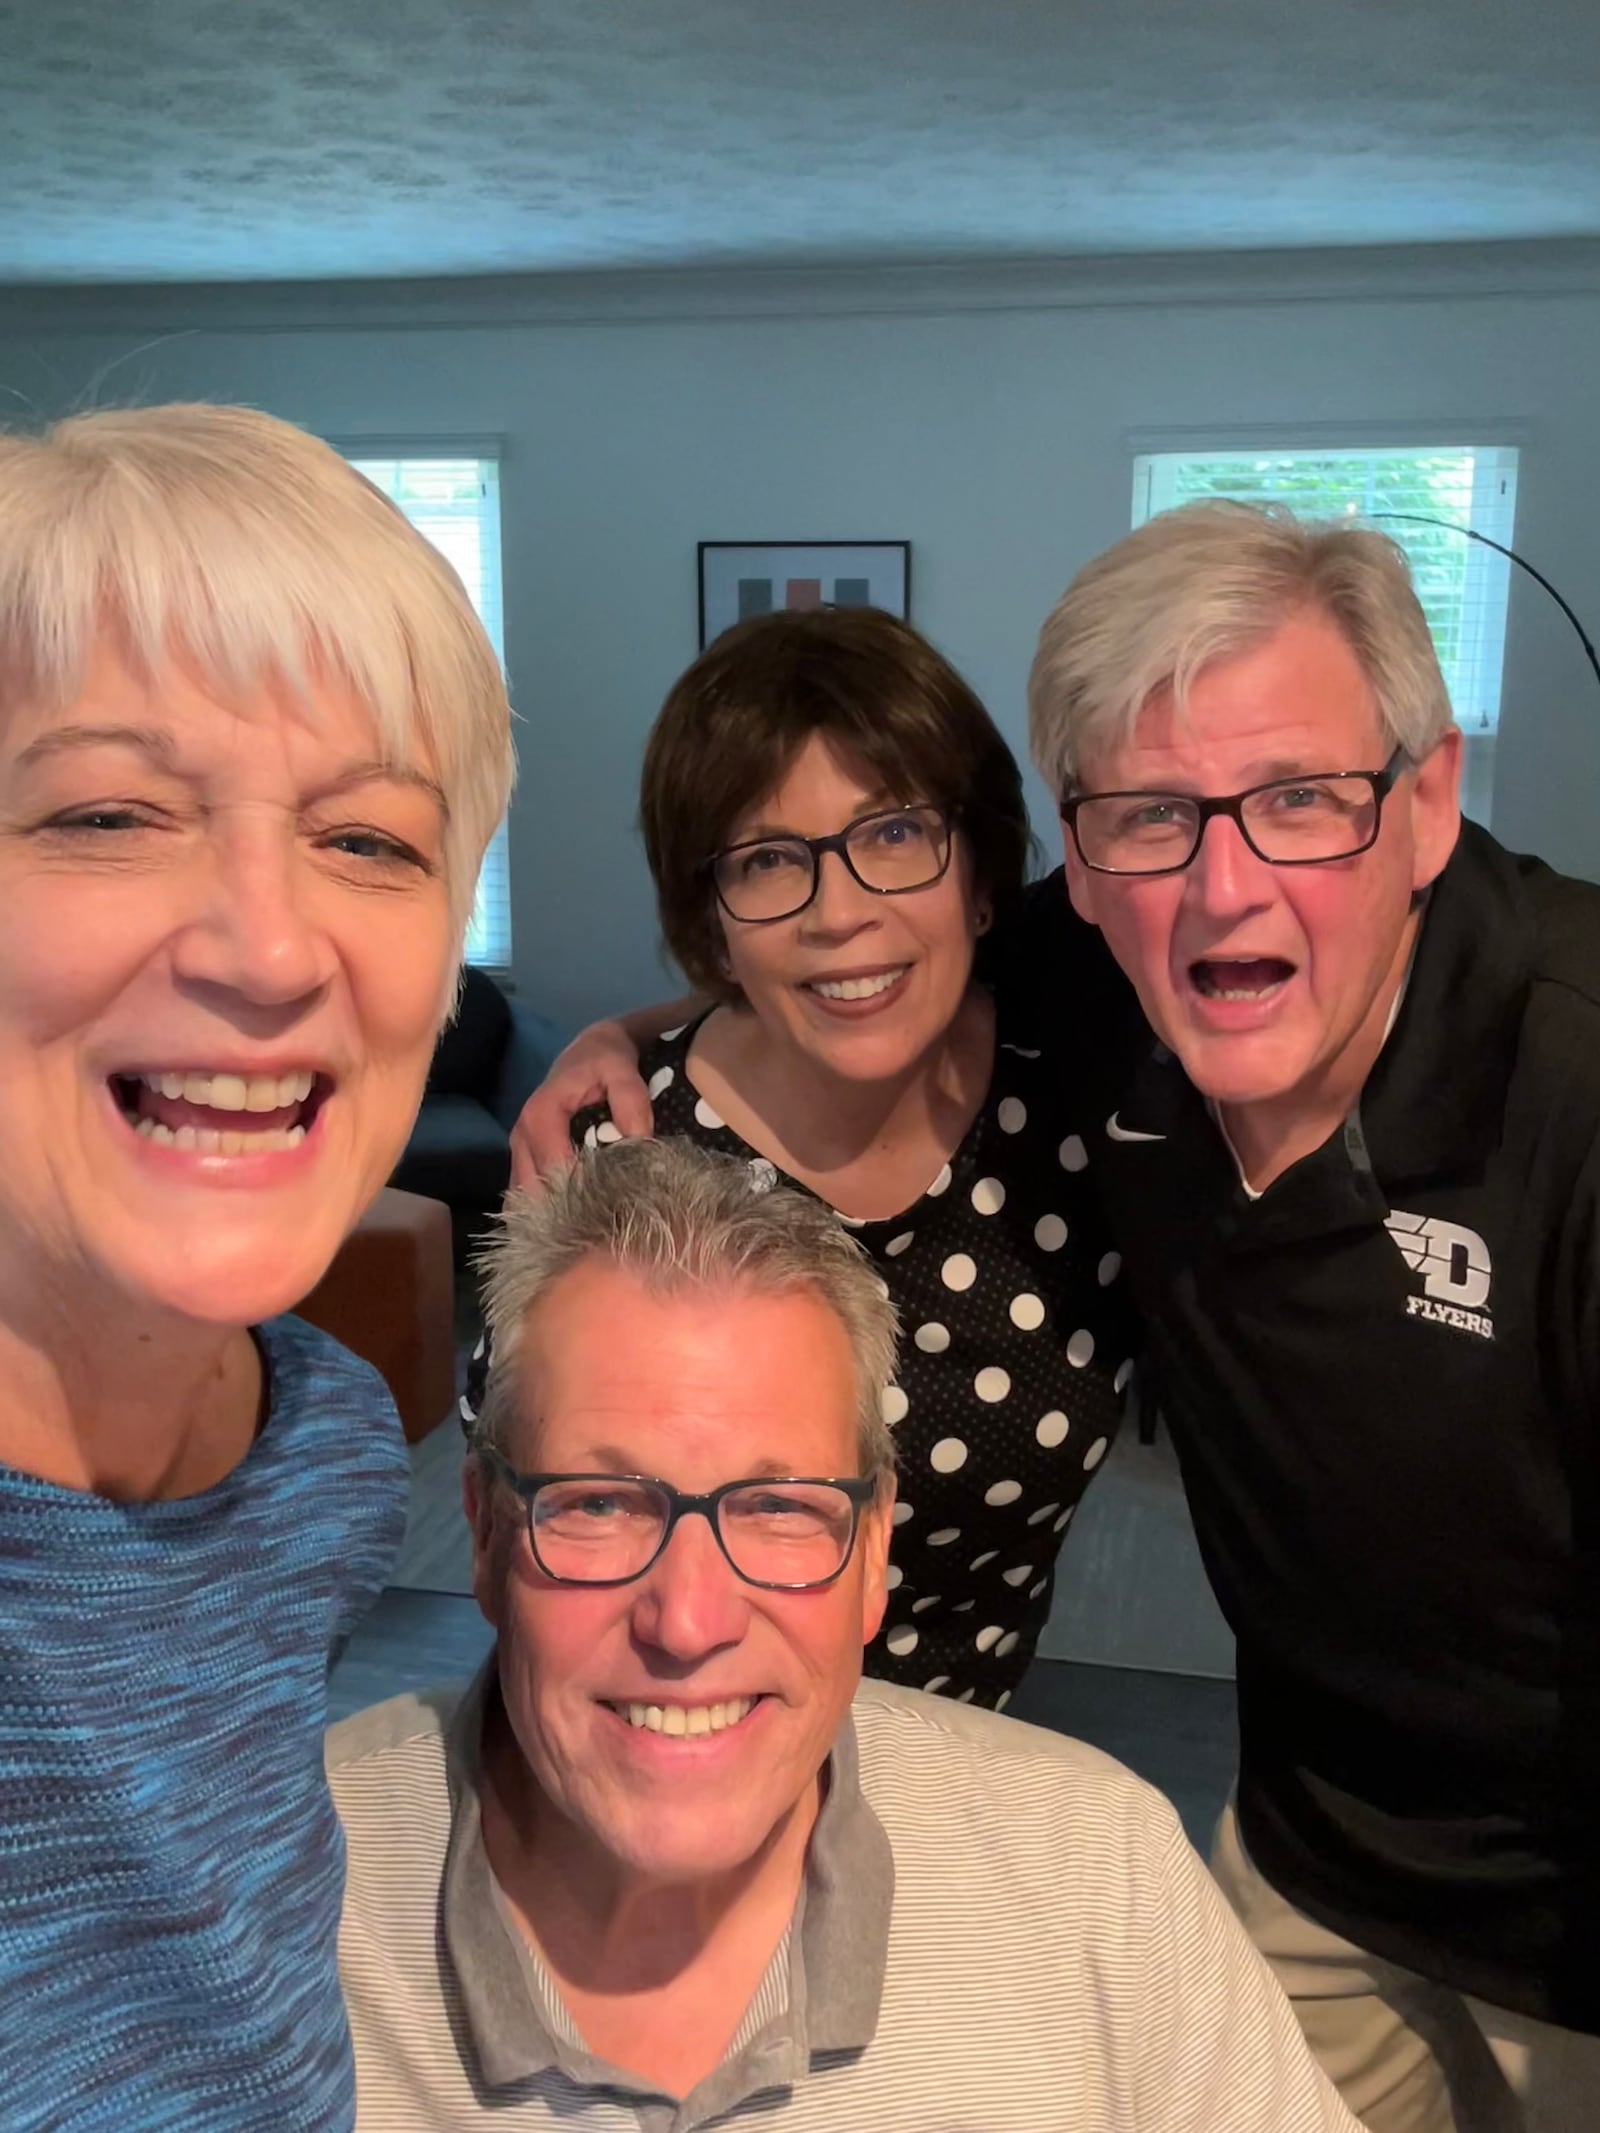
(667, 1862)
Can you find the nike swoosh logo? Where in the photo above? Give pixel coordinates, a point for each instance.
(1116, 1131)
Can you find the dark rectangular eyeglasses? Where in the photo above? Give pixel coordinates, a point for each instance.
(607, 1529)
(1289, 822)
(890, 852)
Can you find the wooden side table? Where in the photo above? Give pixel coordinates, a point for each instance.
(389, 1297)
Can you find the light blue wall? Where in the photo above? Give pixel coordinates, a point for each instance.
(990, 420)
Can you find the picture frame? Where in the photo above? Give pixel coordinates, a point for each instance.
(739, 579)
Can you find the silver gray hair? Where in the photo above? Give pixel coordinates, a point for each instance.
(252, 548)
(1209, 581)
(681, 1217)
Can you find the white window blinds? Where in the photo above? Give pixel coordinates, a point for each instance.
(1462, 585)
(455, 504)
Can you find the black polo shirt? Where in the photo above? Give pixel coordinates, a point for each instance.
(1383, 1381)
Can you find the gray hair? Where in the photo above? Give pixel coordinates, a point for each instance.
(681, 1217)
(1209, 581)
(252, 548)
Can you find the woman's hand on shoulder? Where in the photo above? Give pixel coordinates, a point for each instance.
(599, 1066)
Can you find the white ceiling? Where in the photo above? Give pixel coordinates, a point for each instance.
(156, 140)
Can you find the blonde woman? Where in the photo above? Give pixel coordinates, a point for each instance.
(252, 745)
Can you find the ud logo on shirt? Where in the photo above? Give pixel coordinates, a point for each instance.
(1454, 1264)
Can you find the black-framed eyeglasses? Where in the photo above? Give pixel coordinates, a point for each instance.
(891, 852)
(789, 1535)
(1289, 822)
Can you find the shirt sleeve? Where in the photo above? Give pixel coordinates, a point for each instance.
(1571, 1342)
(1219, 2045)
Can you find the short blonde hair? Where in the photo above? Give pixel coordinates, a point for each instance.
(252, 548)
(681, 1217)
(1209, 581)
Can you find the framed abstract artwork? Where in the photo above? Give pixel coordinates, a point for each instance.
(739, 579)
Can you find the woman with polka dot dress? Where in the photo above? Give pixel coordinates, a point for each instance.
(830, 816)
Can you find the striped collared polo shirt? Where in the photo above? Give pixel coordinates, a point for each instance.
(999, 1929)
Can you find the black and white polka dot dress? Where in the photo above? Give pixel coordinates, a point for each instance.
(1014, 1357)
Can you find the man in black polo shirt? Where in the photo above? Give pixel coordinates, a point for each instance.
(1356, 1180)
(1348, 1125)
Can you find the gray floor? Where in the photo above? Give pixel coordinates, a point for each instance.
(1176, 1731)
(437, 1555)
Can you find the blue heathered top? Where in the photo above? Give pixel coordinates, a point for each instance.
(171, 1866)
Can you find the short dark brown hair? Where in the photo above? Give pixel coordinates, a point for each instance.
(869, 683)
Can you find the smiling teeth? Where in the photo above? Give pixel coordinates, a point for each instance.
(677, 1718)
(858, 988)
(232, 1092)
(203, 1140)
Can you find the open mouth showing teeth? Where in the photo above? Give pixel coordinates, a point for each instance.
(685, 1719)
(221, 1114)
(1241, 978)
(858, 988)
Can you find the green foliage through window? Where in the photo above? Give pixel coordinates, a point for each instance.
(1463, 587)
(455, 504)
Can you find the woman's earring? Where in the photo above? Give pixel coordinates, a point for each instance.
(982, 919)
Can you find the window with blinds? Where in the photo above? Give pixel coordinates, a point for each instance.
(1462, 585)
(455, 504)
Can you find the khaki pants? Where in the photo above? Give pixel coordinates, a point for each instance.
(1408, 2055)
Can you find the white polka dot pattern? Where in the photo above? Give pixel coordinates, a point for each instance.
(1013, 1326)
